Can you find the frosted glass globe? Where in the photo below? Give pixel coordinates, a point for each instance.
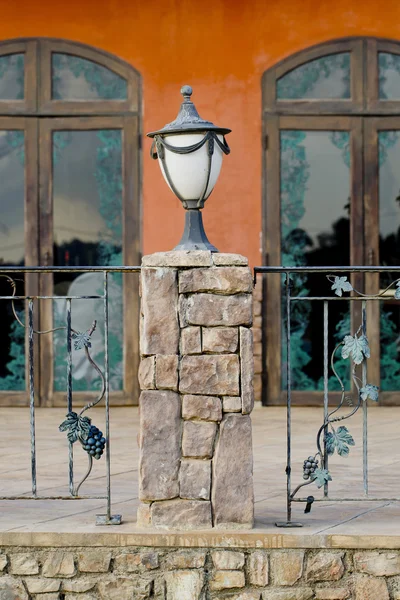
(188, 172)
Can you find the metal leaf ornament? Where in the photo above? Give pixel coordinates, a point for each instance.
(370, 392)
(77, 427)
(321, 477)
(81, 340)
(340, 441)
(357, 347)
(341, 285)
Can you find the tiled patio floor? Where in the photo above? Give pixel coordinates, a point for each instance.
(341, 518)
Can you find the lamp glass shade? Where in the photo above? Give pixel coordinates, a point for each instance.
(189, 172)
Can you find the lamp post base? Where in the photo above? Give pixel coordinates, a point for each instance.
(194, 237)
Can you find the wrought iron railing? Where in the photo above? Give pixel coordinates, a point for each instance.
(354, 347)
(77, 424)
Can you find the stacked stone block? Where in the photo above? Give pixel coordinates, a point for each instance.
(196, 376)
(165, 573)
(257, 339)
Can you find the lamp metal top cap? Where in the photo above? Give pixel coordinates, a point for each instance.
(188, 119)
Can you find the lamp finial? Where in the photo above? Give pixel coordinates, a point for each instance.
(186, 92)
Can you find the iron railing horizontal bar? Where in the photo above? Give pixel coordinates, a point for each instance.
(30, 497)
(345, 298)
(325, 269)
(356, 499)
(51, 297)
(133, 269)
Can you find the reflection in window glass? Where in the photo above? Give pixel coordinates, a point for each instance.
(389, 76)
(87, 198)
(12, 250)
(75, 78)
(323, 78)
(315, 208)
(389, 252)
(12, 77)
(12, 194)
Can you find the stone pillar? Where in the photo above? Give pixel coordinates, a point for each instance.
(196, 377)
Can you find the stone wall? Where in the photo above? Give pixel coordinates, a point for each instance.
(196, 376)
(133, 573)
(257, 339)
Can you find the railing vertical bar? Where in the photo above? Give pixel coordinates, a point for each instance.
(365, 406)
(32, 397)
(289, 403)
(69, 395)
(326, 390)
(107, 398)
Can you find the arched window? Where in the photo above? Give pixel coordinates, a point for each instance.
(70, 195)
(331, 197)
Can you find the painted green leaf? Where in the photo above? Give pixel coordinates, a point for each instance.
(81, 340)
(72, 418)
(357, 347)
(330, 443)
(321, 477)
(370, 391)
(340, 441)
(76, 427)
(70, 425)
(397, 292)
(84, 427)
(72, 435)
(341, 285)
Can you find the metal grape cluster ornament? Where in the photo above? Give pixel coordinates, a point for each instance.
(79, 427)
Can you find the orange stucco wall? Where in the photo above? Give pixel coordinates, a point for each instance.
(221, 48)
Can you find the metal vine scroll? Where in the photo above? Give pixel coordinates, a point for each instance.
(330, 437)
(79, 427)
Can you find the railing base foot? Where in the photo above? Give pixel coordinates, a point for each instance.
(104, 520)
(288, 524)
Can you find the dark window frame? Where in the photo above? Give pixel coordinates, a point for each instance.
(38, 115)
(362, 115)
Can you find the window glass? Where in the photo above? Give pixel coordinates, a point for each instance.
(12, 77)
(12, 250)
(315, 230)
(389, 76)
(75, 78)
(87, 200)
(389, 253)
(320, 79)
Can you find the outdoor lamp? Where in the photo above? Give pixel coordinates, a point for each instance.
(189, 152)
